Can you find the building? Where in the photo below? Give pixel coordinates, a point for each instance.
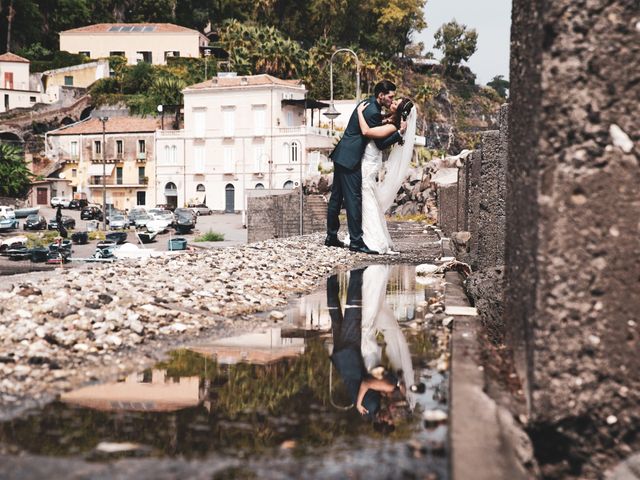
(138, 42)
(15, 88)
(240, 133)
(53, 83)
(128, 159)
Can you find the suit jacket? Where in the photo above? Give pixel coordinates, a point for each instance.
(349, 150)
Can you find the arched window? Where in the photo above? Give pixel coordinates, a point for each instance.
(259, 186)
(200, 188)
(286, 152)
(294, 155)
(170, 186)
(174, 154)
(288, 185)
(167, 154)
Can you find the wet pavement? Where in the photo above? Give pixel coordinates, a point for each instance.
(269, 404)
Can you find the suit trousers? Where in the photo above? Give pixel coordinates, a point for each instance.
(347, 190)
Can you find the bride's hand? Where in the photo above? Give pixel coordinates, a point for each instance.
(403, 127)
(362, 106)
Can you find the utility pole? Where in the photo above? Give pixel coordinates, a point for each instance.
(104, 121)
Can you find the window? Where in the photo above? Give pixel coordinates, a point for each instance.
(8, 80)
(198, 159)
(145, 57)
(74, 172)
(119, 147)
(228, 121)
(119, 175)
(295, 152)
(97, 147)
(116, 54)
(199, 123)
(286, 152)
(142, 146)
(74, 150)
(68, 81)
(289, 119)
(259, 158)
(259, 186)
(172, 53)
(32, 99)
(174, 154)
(142, 178)
(259, 117)
(288, 185)
(229, 164)
(85, 53)
(141, 198)
(200, 188)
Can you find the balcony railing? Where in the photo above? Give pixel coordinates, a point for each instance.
(141, 157)
(96, 181)
(70, 158)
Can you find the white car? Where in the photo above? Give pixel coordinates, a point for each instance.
(62, 201)
(7, 212)
(158, 225)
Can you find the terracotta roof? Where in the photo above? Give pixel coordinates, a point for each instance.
(114, 125)
(244, 80)
(157, 28)
(12, 57)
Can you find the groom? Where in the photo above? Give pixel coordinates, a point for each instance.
(347, 177)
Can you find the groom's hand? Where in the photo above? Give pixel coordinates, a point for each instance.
(403, 127)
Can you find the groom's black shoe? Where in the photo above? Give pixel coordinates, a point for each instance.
(363, 249)
(332, 241)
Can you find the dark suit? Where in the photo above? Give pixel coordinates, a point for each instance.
(347, 337)
(347, 178)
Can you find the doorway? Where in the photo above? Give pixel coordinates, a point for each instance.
(229, 198)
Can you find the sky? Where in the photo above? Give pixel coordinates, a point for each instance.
(490, 18)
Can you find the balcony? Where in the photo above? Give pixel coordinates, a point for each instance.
(141, 157)
(69, 159)
(96, 182)
(97, 158)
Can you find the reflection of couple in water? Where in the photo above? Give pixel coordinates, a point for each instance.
(356, 353)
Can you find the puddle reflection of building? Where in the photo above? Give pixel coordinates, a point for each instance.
(139, 392)
(404, 293)
(260, 348)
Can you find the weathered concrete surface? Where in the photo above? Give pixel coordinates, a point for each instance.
(486, 443)
(447, 184)
(572, 249)
(472, 174)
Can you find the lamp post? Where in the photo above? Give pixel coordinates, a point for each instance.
(332, 113)
(104, 121)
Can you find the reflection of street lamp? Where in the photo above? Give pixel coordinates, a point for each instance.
(104, 121)
(332, 113)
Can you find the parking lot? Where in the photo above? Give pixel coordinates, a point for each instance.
(230, 225)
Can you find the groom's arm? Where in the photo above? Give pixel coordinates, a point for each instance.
(374, 119)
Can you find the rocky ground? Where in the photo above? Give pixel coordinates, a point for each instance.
(73, 326)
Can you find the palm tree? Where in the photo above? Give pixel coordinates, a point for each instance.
(15, 176)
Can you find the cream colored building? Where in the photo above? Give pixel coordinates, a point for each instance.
(241, 133)
(138, 42)
(128, 153)
(79, 76)
(15, 90)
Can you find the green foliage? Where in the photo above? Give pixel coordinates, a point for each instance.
(35, 51)
(500, 85)
(57, 59)
(210, 236)
(41, 239)
(15, 176)
(457, 44)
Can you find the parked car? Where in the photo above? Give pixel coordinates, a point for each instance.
(7, 212)
(91, 213)
(162, 214)
(62, 201)
(200, 209)
(35, 222)
(118, 221)
(185, 220)
(8, 223)
(67, 222)
(185, 211)
(166, 206)
(138, 217)
(78, 203)
(26, 211)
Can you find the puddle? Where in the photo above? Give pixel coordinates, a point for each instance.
(257, 395)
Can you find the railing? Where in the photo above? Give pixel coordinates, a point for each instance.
(169, 133)
(96, 181)
(142, 156)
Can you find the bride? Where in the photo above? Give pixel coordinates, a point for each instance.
(377, 197)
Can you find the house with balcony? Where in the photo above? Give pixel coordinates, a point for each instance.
(137, 42)
(15, 85)
(121, 160)
(240, 133)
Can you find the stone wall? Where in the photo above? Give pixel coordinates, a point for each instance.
(572, 250)
(277, 216)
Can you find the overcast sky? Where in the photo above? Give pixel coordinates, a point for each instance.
(490, 18)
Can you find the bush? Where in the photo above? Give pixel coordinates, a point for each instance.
(210, 236)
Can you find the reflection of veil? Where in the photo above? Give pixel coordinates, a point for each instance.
(377, 316)
(397, 166)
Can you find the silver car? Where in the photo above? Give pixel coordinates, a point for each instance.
(118, 222)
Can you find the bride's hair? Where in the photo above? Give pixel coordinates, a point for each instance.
(401, 113)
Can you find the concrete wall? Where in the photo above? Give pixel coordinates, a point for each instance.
(572, 250)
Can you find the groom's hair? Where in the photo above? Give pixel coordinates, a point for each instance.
(385, 86)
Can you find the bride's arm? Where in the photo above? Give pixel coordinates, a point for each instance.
(383, 131)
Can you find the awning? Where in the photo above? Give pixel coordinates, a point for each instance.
(95, 169)
(308, 103)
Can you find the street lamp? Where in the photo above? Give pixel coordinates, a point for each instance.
(332, 113)
(104, 121)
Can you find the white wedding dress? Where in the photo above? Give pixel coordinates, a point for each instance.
(378, 196)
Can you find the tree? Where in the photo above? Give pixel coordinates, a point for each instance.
(457, 44)
(15, 176)
(500, 85)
